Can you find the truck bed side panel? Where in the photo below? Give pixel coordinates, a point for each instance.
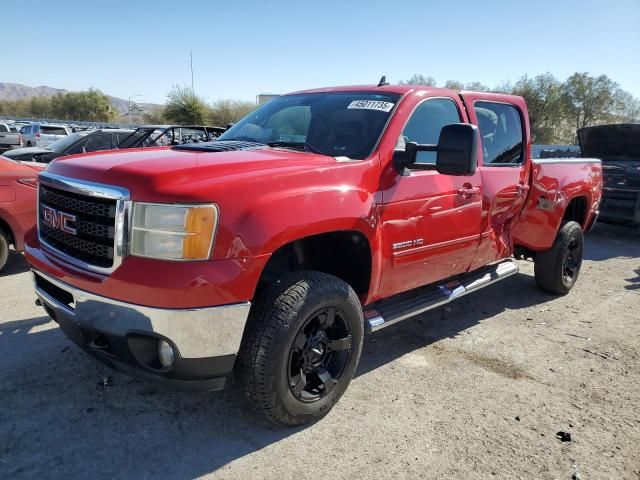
(554, 183)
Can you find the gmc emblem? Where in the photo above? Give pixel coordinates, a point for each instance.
(58, 220)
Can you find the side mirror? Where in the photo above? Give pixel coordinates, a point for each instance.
(456, 152)
(457, 149)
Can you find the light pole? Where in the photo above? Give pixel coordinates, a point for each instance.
(130, 97)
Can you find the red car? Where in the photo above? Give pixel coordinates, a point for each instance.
(319, 217)
(18, 192)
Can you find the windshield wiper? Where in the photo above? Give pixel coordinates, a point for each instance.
(297, 145)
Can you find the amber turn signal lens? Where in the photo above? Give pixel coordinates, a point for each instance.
(200, 227)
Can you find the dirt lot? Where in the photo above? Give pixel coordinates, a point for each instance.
(475, 390)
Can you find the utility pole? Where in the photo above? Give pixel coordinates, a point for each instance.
(191, 57)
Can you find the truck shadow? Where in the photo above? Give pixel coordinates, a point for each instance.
(15, 264)
(64, 415)
(60, 407)
(382, 347)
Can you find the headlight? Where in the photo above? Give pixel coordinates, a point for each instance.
(175, 232)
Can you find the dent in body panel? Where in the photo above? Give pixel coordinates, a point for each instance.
(553, 187)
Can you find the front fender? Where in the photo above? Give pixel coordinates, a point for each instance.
(285, 216)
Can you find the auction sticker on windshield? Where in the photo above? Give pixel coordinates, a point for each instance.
(371, 105)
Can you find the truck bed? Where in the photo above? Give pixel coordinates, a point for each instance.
(553, 181)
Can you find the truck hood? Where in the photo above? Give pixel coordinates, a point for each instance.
(619, 142)
(153, 172)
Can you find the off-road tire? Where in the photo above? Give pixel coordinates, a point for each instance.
(276, 320)
(551, 266)
(4, 248)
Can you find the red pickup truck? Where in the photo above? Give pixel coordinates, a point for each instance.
(319, 217)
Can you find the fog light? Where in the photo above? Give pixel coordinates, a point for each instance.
(165, 354)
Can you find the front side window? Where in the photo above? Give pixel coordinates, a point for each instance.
(501, 131)
(425, 124)
(339, 124)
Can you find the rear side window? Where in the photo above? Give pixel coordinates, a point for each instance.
(425, 124)
(119, 137)
(99, 141)
(501, 131)
(53, 130)
(3, 128)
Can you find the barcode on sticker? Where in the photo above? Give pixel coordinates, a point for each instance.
(371, 105)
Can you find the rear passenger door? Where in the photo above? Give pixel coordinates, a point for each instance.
(504, 167)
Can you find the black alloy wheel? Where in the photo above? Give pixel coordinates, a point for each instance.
(319, 355)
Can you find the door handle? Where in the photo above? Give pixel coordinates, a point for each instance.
(468, 191)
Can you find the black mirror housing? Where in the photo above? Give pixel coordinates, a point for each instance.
(457, 149)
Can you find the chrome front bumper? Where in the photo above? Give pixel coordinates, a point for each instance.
(196, 333)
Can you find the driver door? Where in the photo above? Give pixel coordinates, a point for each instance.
(430, 221)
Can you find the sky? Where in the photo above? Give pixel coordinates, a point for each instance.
(243, 48)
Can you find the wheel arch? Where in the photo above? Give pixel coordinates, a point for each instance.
(346, 254)
(576, 211)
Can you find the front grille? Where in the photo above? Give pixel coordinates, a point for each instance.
(94, 225)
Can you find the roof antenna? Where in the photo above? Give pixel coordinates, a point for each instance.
(383, 81)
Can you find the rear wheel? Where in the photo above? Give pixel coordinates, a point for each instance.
(301, 347)
(557, 269)
(4, 248)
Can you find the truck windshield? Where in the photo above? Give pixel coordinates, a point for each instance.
(339, 124)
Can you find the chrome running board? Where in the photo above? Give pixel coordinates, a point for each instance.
(406, 305)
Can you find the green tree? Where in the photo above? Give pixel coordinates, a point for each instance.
(185, 107)
(40, 107)
(223, 112)
(91, 106)
(454, 85)
(154, 116)
(626, 108)
(477, 87)
(418, 79)
(543, 95)
(588, 100)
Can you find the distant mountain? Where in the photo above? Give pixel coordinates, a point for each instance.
(16, 91)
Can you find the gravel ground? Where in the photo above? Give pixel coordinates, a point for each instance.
(478, 389)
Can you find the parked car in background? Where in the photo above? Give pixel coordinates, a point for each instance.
(618, 146)
(41, 135)
(79, 142)
(163, 135)
(9, 139)
(18, 192)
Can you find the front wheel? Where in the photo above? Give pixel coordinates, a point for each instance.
(556, 269)
(301, 347)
